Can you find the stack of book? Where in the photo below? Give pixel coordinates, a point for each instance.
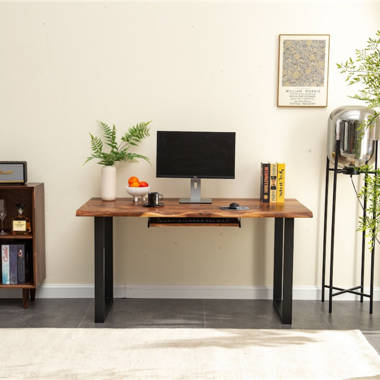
(272, 183)
(13, 264)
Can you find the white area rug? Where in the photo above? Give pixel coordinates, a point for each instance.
(154, 354)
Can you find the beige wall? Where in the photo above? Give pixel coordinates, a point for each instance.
(186, 66)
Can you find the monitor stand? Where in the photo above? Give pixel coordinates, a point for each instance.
(195, 193)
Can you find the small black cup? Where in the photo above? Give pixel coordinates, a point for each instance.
(154, 199)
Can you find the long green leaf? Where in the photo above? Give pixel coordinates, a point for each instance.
(109, 135)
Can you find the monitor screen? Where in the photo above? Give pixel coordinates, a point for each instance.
(196, 154)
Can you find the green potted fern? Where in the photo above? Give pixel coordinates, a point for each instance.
(115, 152)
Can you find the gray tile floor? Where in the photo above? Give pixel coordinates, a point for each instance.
(143, 313)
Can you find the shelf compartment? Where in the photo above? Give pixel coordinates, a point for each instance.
(12, 196)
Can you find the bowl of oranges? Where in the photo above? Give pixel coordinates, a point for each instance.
(138, 189)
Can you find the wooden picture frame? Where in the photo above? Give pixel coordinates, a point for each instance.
(303, 70)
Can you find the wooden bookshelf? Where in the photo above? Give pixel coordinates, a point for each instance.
(32, 195)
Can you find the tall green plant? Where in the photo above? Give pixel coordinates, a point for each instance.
(118, 151)
(370, 223)
(364, 69)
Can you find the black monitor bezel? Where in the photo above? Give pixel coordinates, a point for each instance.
(197, 176)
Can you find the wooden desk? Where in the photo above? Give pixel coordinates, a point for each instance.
(284, 215)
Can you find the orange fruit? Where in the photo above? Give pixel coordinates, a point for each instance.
(134, 184)
(144, 184)
(133, 179)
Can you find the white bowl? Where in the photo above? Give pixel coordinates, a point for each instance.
(137, 192)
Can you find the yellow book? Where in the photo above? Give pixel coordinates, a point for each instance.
(273, 183)
(280, 183)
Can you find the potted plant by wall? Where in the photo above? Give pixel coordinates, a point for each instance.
(364, 70)
(116, 152)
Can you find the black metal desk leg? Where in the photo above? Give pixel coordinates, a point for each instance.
(103, 267)
(288, 272)
(109, 260)
(278, 251)
(283, 269)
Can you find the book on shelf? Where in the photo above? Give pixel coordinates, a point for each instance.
(273, 183)
(264, 183)
(280, 183)
(20, 263)
(5, 264)
(14, 264)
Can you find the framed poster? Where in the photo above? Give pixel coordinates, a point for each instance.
(303, 69)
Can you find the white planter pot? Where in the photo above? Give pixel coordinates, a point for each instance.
(108, 192)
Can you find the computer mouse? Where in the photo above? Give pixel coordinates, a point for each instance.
(234, 205)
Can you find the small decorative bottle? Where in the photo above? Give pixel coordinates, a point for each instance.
(21, 223)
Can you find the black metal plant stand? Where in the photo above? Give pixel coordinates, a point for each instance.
(358, 290)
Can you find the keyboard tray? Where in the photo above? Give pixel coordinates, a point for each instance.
(198, 221)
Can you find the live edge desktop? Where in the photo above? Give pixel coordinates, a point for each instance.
(195, 155)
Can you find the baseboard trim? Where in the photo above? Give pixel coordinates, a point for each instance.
(178, 291)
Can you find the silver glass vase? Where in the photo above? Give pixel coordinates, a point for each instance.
(357, 145)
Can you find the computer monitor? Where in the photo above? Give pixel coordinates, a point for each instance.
(195, 155)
